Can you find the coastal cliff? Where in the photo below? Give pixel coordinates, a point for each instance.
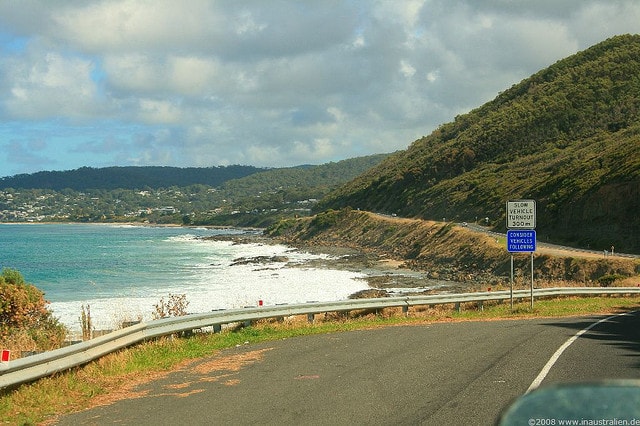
(447, 251)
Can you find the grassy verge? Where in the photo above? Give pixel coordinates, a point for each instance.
(94, 383)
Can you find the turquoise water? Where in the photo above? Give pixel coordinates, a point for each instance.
(70, 261)
(122, 271)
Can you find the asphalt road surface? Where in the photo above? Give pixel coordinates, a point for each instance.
(440, 374)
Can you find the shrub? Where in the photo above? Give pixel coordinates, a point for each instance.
(24, 314)
(279, 228)
(175, 306)
(85, 322)
(607, 280)
(325, 220)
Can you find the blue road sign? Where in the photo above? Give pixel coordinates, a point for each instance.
(521, 241)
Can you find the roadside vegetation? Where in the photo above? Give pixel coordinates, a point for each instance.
(112, 377)
(25, 319)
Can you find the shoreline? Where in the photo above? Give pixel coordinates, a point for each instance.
(384, 276)
(149, 225)
(217, 275)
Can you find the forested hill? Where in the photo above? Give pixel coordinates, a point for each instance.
(315, 181)
(568, 137)
(174, 195)
(109, 178)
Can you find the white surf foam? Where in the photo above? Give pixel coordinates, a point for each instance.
(219, 285)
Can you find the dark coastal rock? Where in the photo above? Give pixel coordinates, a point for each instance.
(259, 260)
(371, 293)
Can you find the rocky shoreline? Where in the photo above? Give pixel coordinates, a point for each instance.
(385, 277)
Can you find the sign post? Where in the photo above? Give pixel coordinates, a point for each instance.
(521, 234)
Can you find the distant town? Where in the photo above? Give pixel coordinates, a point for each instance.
(193, 204)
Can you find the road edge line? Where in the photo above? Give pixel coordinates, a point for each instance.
(547, 367)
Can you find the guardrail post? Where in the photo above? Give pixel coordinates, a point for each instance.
(481, 306)
(405, 310)
(457, 307)
(217, 328)
(310, 318)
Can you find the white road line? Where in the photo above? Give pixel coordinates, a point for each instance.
(545, 370)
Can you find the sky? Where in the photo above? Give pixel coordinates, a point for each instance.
(267, 83)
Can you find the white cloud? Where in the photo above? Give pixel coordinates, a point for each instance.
(317, 148)
(159, 112)
(194, 76)
(49, 85)
(122, 26)
(274, 83)
(597, 18)
(405, 13)
(134, 73)
(406, 69)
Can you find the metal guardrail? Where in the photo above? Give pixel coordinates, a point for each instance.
(31, 368)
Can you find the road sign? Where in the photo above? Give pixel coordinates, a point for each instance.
(521, 241)
(521, 214)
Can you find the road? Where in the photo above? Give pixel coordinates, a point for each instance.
(555, 249)
(541, 247)
(461, 373)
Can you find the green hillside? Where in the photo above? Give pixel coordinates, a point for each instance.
(305, 181)
(283, 192)
(568, 137)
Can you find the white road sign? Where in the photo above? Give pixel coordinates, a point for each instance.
(521, 214)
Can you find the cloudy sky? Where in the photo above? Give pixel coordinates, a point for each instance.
(265, 82)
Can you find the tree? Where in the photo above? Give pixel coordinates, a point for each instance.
(24, 312)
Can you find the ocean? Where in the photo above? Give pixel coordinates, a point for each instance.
(122, 271)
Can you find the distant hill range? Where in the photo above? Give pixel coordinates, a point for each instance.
(109, 178)
(567, 137)
(234, 180)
